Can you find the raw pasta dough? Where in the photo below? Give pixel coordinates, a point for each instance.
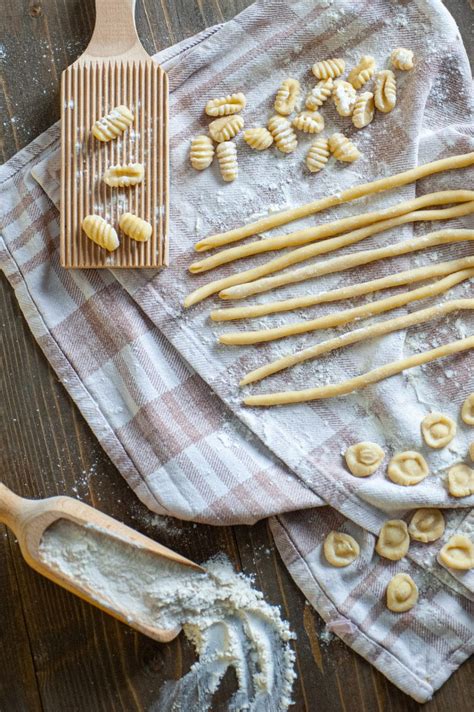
(426, 525)
(99, 231)
(402, 593)
(113, 124)
(353, 384)
(123, 176)
(364, 458)
(394, 540)
(438, 429)
(340, 549)
(461, 481)
(458, 553)
(407, 468)
(345, 196)
(136, 228)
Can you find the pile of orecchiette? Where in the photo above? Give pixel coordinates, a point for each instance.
(281, 131)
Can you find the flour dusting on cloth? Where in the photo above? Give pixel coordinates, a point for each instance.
(226, 619)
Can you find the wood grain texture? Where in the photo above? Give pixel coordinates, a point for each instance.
(56, 652)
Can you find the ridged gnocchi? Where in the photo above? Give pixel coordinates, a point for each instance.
(201, 152)
(259, 138)
(309, 121)
(344, 96)
(283, 134)
(402, 59)
(226, 127)
(364, 110)
(287, 96)
(319, 94)
(124, 176)
(226, 105)
(112, 124)
(343, 149)
(329, 68)
(362, 72)
(135, 227)
(226, 153)
(385, 92)
(99, 231)
(318, 155)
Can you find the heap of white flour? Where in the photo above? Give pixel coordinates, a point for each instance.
(226, 619)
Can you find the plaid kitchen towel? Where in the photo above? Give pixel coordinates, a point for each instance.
(163, 398)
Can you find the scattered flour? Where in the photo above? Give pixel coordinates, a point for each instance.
(226, 619)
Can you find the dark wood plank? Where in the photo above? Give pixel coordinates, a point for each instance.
(57, 653)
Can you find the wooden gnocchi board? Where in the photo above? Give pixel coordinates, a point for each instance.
(115, 69)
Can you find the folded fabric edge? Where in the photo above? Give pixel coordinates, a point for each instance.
(373, 652)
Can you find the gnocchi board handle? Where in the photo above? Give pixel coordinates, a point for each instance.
(115, 33)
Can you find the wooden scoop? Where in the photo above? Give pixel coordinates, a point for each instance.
(29, 519)
(115, 70)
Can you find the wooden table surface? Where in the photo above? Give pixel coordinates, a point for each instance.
(58, 654)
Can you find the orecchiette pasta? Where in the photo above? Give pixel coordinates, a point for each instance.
(318, 155)
(407, 468)
(402, 593)
(319, 94)
(385, 92)
(136, 228)
(426, 525)
(458, 553)
(394, 540)
(287, 96)
(362, 72)
(309, 121)
(226, 153)
(364, 110)
(461, 481)
(201, 152)
(467, 410)
(329, 68)
(226, 105)
(259, 138)
(402, 58)
(342, 148)
(364, 458)
(226, 127)
(344, 97)
(99, 231)
(113, 124)
(124, 176)
(438, 430)
(283, 134)
(340, 549)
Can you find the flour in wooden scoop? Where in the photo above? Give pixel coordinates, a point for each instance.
(226, 619)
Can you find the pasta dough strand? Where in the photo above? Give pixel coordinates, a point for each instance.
(398, 279)
(337, 227)
(365, 379)
(239, 338)
(359, 191)
(338, 264)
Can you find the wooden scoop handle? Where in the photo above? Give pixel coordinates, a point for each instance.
(13, 510)
(115, 32)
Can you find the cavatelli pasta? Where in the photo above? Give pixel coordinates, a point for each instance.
(226, 153)
(342, 148)
(201, 152)
(329, 68)
(319, 94)
(225, 128)
(318, 155)
(287, 96)
(309, 121)
(362, 72)
(124, 176)
(259, 138)
(226, 105)
(99, 231)
(136, 228)
(364, 110)
(385, 93)
(113, 124)
(283, 134)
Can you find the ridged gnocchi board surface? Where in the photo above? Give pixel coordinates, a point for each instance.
(89, 92)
